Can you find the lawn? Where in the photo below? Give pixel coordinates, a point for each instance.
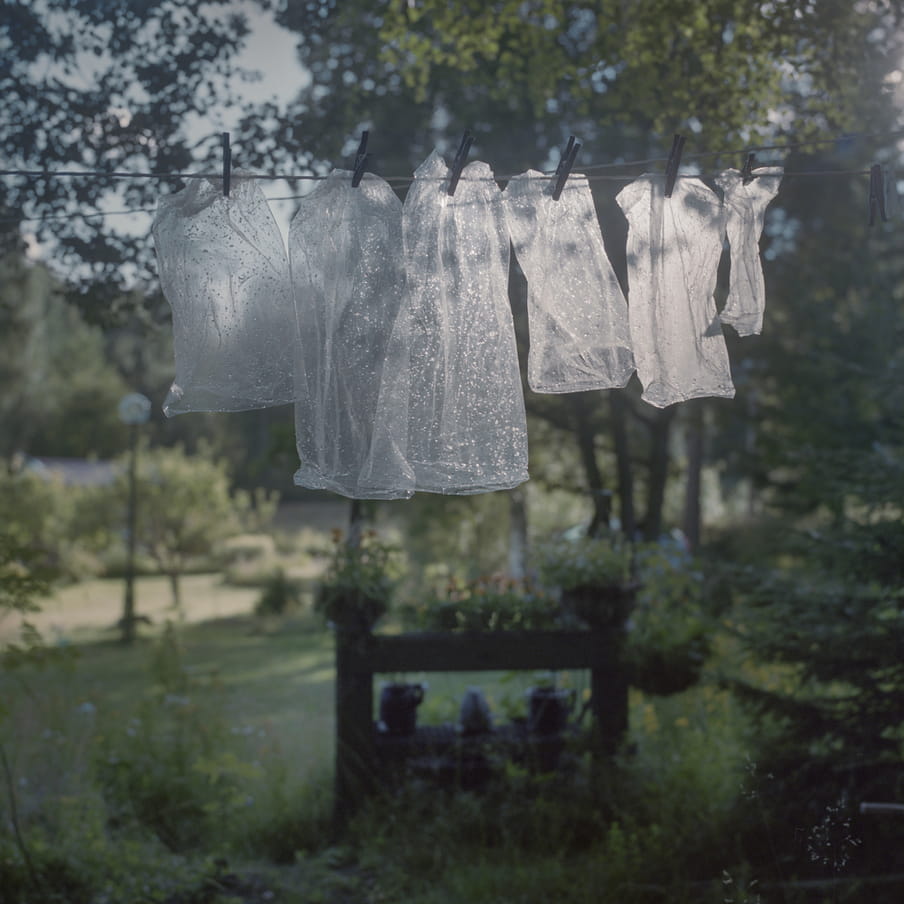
(273, 673)
(197, 767)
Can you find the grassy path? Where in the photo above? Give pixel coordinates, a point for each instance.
(89, 610)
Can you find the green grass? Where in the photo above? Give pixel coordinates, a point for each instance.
(135, 767)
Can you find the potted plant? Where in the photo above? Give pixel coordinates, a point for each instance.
(357, 586)
(668, 632)
(594, 576)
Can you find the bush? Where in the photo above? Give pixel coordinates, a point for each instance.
(248, 560)
(279, 595)
(169, 769)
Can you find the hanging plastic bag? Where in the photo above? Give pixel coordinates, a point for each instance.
(467, 427)
(577, 314)
(223, 269)
(673, 249)
(745, 207)
(345, 250)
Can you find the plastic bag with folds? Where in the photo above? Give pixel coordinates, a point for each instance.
(224, 271)
(745, 207)
(674, 246)
(345, 250)
(577, 314)
(467, 428)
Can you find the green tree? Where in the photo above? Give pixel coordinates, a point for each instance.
(185, 509)
(110, 87)
(622, 76)
(58, 393)
(815, 573)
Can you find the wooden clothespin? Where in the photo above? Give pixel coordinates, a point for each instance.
(674, 161)
(563, 170)
(458, 163)
(360, 160)
(747, 169)
(877, 194)
(227, 165)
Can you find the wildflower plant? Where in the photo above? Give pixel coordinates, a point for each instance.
(359, 582)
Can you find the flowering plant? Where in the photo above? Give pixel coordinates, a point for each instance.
(488, 603)
(669, 630)
(585, 562)
(593, 576)
(360, 579)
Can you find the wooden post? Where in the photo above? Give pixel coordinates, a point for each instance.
(609, 704)
(354, 722)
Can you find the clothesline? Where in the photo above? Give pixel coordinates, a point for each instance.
(700, 155)
(81, 215)
(587, 170)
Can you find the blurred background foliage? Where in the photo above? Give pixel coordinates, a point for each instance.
(785, 502)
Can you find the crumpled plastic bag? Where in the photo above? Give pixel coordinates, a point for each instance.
(674, 246)
(467, 427)
(223, 268)
(577, 314)
(345, 252)
(745, 207)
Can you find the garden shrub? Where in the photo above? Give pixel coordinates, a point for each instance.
(169, 769)
(279, 595)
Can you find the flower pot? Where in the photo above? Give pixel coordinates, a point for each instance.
(600, 605)
(667, 672)
(398, 708)
(548, 709)
(351, 610)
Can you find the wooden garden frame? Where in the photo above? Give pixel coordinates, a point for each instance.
(359, 656)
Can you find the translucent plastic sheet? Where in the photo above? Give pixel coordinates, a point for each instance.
(467, 428)
(224, 271)
(578, 318)
(345, 249)
(745, 207)
(674, 245)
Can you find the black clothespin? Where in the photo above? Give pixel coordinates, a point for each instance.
(674, 161)
(747, 169)
(458, 163)
(877, 194)
(565, 154)
(564, 168)
(360, 160)
(227, 165)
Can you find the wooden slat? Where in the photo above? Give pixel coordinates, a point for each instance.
(502, 651)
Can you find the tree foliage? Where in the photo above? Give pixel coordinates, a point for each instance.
(59, 393)
(185, 508)
(113, 87)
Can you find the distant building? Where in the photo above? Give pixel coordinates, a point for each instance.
(73, 472)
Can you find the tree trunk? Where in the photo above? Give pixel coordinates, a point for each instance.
(360, 514)
(660, 428)
(599, 496)
(517, 553)
(693, 486)
(623, 463)
(176, 592)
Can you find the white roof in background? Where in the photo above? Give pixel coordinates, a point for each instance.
(74, 472)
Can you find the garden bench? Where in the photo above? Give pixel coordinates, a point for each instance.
(360, 750)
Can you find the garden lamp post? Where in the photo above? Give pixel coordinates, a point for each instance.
(134, 410)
